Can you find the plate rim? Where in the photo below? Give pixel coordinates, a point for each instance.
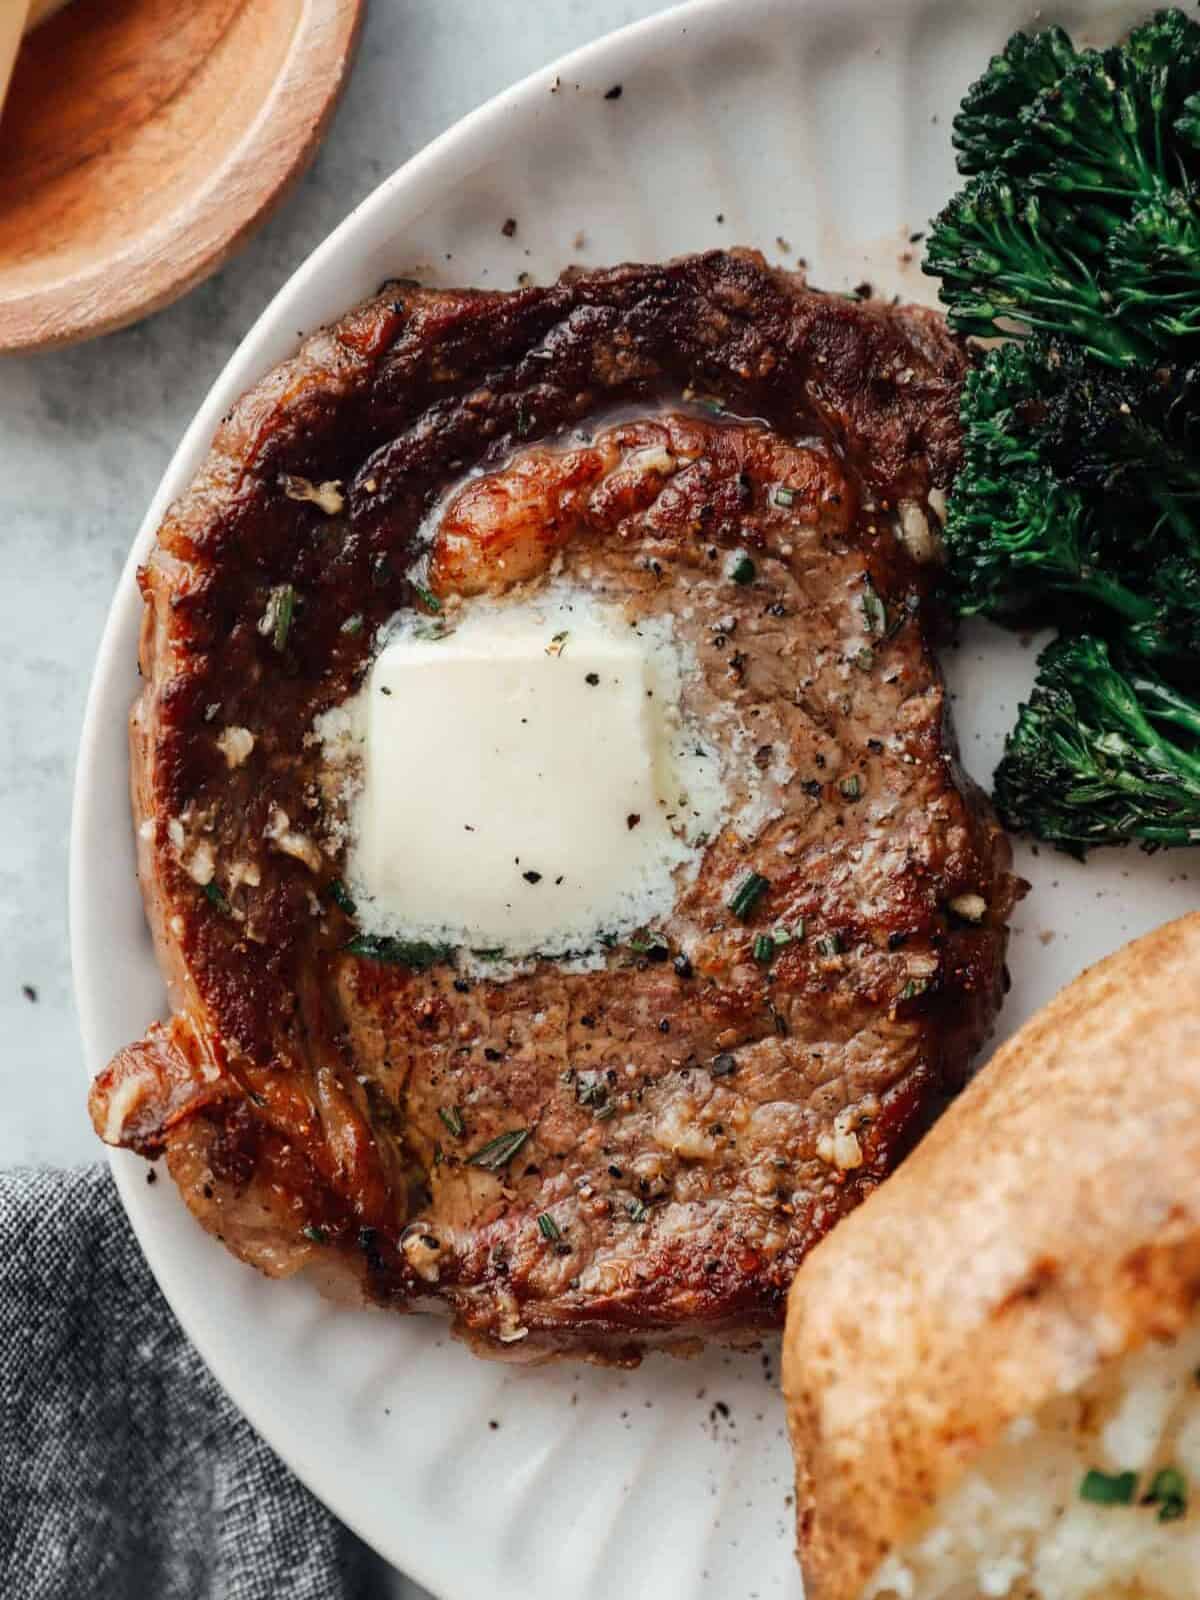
(436, 169)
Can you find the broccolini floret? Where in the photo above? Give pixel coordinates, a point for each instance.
(1077, 499)
(1102, 754)
(1155, 269)
(1082, 219)
(1012, 264)
(1132, 437)
(986, 124)
(1104, 132)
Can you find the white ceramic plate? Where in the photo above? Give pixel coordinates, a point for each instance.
(818, 130)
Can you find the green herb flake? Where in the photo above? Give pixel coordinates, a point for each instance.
(340, 896)
(781, 495)
(1169, 1492)
(874, 611)
(603, 1113)
(747, 894)
(742, 569)
(215, 897)
(549, 1228)
(495, 1155)
(764, 947)
(829, 944)
(784, 936)
(913, 988)
(1108, 1489)
(427, 597)
(452, 1118)
(637, 1210)
(414, 953)
(314, 1234)
(278, 615)
(850, 788)
(353, 624)
(864, 659)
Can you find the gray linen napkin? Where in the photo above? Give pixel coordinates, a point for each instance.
(124, 1470)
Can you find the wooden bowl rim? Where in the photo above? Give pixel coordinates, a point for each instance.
(68, 312)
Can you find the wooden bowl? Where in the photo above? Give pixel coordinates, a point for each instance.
(141, 142)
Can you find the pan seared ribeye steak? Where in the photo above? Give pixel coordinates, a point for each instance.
(689, 1118)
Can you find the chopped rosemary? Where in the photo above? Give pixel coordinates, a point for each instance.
(495, 1155)
(741, 569)
(1169, 1492)
(427, 597)
(637, 1210)
(874, 610)
(650, 944)
(829, 944)
(746, 896)
(550, 1229)
(764, 946)
(850, 788)
(353, 624)
(452, 1117)
(1108, 1489)
(781, 495)
(415, 953)
(913, 988)
(276, 620)
(317, 1235)
(340, 896)
(214, 896)
(782, 936)
(603, 1113)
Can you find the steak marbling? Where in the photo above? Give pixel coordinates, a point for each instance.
(683, 1121)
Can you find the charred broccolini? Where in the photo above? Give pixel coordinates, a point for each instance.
(1078, 500)
(1104, 753)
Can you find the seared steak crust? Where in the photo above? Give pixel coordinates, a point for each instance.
(682, 1129)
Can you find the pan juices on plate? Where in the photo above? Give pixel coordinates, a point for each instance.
(992, 1369)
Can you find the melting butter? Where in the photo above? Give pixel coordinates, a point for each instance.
(528, 779)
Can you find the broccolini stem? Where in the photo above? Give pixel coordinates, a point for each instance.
(1166, 704)
(1120, 697)
(1168, 836)
(1110, 592)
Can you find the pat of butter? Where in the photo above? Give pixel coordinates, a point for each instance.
(521, 789)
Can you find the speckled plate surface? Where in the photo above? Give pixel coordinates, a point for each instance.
(816, 130)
